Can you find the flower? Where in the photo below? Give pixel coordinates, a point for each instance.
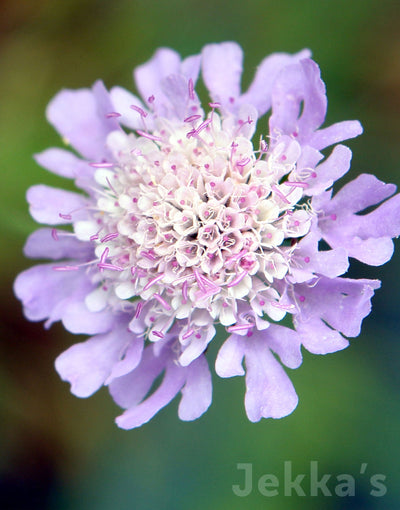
(187, 219)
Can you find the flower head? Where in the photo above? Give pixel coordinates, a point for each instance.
(186, 220)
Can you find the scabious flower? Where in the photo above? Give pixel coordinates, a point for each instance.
(186, 220)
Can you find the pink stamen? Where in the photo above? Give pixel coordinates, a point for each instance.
(109, 237)
(138, 309)
(54, 234)
(112, 267)
(297, 184)
(238, 279)
(148, 135)
(148, 255)
(65, 268)
(104, 255)
(187, 334)
(214, 105)
(101, 165)
(112, 114)
(203, 125)
(65, 216)
(199, 280)
(280, 194)
(153, 281)
(192, 118)
(94, 237)
(281, 306)
(191, 89)
(139, 110)
(185, 292)
(240, 327)
(236, 257)
(159, 334)
(162, 301)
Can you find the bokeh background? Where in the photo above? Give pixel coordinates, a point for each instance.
(58, 452)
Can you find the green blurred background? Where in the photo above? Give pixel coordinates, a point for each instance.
(59, 452)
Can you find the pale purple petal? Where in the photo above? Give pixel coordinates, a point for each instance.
(329, 171)
(247, 117)
(259, 92)
(307, 161)
(80, 117)
(148, 76)
(130, 389)
(49, 244)
(197, 346)
(222, 70)
(230, 357)
(122, 102)
(335, 134)
(373, 251)
(54, 295)
(365, 237)
(341, 302)
(55, 206)
(40, 288)
(66, 164)
(77, 319)
(176, 89)
(285, 343)
(310, 261)
(104, 106)
(88, 364)
(60, 162)
(362, 192)
(172, 382)
(318, 338)
(269, 392)
(129, 361)
(298, 101)
(190, 67)
(197, 391)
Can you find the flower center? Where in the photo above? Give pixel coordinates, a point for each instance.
(191, 217)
